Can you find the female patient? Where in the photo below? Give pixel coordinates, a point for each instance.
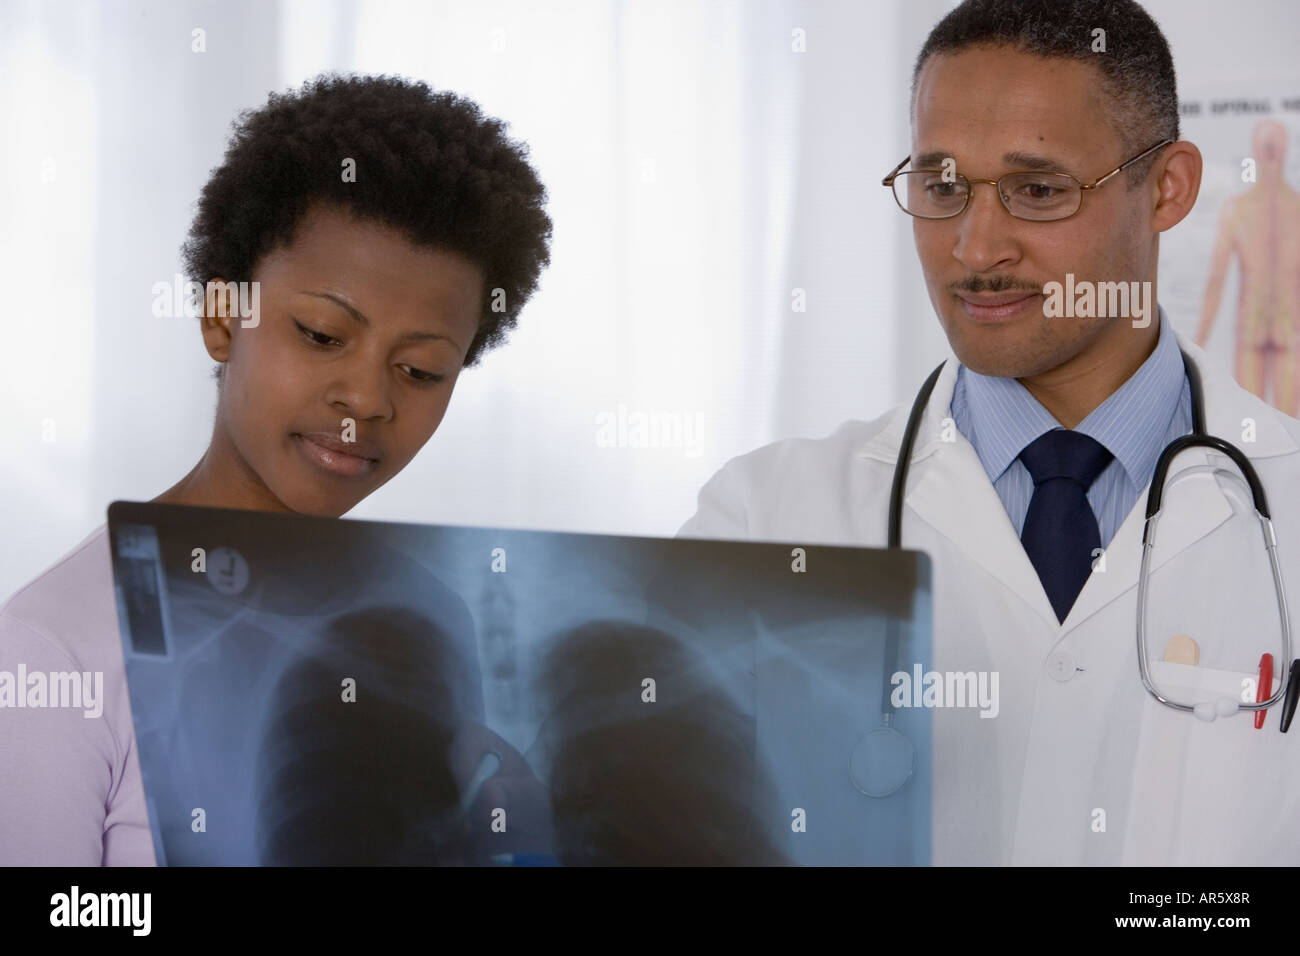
(393, 233)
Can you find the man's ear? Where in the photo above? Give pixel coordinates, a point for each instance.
(1176, 182)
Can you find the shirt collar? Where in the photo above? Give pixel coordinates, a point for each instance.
(1132, 422)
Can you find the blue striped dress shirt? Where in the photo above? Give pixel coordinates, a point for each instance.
(999, 417)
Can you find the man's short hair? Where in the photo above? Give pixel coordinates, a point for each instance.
(1137, 69)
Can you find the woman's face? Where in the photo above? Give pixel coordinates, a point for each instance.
(348, 370)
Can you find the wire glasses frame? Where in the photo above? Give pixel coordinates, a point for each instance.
(1065, 181)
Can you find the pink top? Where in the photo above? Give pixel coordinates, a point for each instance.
(70, 788)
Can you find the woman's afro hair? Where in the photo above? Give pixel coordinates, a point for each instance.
(428, 164)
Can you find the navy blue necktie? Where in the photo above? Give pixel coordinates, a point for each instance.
(1060, 532)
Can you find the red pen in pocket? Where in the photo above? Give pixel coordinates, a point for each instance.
(1265, 689)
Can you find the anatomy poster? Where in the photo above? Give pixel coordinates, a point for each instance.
(1230, 272)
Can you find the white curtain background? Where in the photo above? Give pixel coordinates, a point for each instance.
(699, 168)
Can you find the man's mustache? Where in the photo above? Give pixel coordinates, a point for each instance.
(995, 284)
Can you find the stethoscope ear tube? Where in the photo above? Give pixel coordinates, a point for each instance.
(1204, 441)
(1199, 439)
(884, 759)
(905, 458)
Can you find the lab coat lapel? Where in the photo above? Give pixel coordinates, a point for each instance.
(1199, 503)
(1200, 506)
(948, 488)
(955, 497)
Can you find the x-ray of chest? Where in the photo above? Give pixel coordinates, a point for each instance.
(322, 691)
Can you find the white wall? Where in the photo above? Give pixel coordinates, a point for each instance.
(669, 292)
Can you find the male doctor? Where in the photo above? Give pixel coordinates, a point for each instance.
(1029, 476)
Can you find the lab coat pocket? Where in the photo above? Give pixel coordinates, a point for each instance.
(1210, 780)
(1193, 684)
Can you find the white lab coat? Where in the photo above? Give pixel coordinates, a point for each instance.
(1077, 733)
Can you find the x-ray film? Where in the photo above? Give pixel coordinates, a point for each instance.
(315, 691)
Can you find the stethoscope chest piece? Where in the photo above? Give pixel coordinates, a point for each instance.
(882, 762)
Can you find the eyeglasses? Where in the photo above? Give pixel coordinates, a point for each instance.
(1036, 196)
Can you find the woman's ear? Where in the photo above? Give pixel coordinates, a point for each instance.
(215, 324)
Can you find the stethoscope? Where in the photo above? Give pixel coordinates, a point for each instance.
(884, 759)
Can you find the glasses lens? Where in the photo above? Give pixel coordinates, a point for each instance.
(1040, 196)
(928, 194)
